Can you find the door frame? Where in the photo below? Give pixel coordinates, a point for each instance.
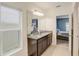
(70, 32)
(75, 31)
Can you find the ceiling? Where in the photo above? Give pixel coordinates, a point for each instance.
(42, 5)
(47, 5)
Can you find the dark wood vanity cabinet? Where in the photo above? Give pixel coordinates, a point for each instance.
(37, 47)
(42, 45)
(32, 47)
(49, 39)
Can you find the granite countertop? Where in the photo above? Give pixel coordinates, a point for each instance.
(38, 36)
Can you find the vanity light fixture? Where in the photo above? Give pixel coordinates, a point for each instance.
(37, 13)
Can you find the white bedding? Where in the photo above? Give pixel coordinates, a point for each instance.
(63, 33)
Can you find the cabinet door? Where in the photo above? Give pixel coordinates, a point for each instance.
(45, 43)
(32, 47)
(40, 46)
(49, 39)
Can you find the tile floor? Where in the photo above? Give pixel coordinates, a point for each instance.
(64, 43)
(58, 50)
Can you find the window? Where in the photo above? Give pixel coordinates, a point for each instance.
(9, 15)
(10, 33)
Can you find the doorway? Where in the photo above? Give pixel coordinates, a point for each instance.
(62, 30)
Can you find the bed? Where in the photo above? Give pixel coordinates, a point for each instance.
(62, 35)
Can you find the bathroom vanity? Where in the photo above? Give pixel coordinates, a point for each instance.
(38, 43)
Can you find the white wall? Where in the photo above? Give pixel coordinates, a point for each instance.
(48, 24)
(45, 23)
(29, 22)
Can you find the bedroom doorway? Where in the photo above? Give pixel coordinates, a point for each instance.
(62, 30)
